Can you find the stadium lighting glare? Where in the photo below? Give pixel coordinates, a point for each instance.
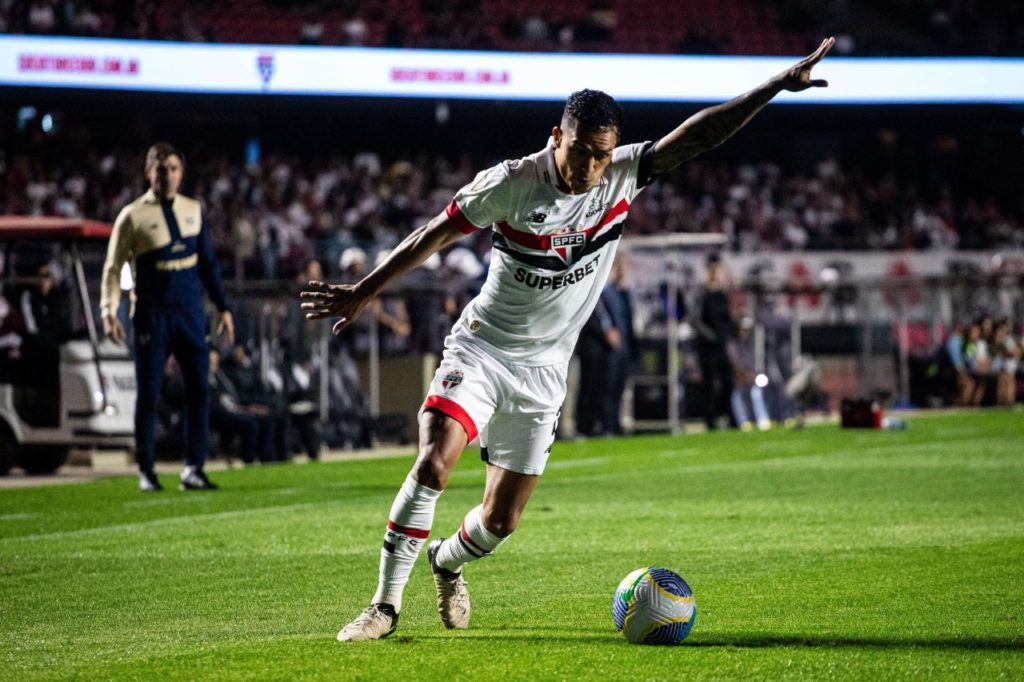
(137, 65)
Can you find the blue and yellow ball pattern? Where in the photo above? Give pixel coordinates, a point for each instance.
(654, 605)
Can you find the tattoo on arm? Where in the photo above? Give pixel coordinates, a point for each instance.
(709, 128)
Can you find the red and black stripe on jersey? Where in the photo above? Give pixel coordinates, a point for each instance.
(543, 242)
(553, 262)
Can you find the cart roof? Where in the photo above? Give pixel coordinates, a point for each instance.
(50, 227)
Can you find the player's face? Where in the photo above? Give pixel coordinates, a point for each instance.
(582, 156)
(165, 176)
(716, 274)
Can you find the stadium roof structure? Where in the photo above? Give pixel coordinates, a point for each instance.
(52, 227)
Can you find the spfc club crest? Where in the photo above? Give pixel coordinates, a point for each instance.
(569, 246)
(265, 64)
(452, 379)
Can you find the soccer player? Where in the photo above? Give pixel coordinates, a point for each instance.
(557, 216)
(164, 236)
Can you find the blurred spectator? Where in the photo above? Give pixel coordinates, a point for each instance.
(11, 325)
(85, 21)
(354, 31)
(714, 325)
(620, 308)
(897, 27)
(45, 308)
(392, 316)
(45, 315)
(270, 217)
(954, 353)
(604, 350)
(1007, 352)
(41, 17)
(241, 379)
(598, 27)
(299, 386)
(429, 319)
(311, 31)
(978, 364)
(252, 428)
(349, 421)
(748, 395)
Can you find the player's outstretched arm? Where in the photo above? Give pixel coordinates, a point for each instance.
(347, 301)
(711, 127)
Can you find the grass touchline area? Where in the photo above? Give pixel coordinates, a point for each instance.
(818, 554)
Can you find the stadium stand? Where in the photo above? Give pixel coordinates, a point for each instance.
(864, 27)
(271, 216)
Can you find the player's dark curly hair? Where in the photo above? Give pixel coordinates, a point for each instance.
(592, 110)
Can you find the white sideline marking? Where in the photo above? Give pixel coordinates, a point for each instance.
(467, 473)
(160, 502)
(171, 521)
(559, 464)
(16, 517)
(573, 463)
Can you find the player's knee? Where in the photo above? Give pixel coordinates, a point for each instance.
(501, 522)
(430, 471)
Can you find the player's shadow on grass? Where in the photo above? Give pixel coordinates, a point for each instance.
(760, 640)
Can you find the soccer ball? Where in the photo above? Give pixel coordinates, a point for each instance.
(654, 606)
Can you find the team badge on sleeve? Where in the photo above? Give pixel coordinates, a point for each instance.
(452, 379)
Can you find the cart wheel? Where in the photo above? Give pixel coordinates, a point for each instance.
(8, 448)
(42, 459)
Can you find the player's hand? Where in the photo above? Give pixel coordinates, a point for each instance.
(613, 338)
(114, 330)
(226, 327)
(322, 300)
(798, 77)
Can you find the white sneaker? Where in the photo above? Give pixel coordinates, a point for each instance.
(149, 483)
(452, 592)
(375, 622)
(195, 479)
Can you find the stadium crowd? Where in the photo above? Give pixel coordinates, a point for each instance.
(272, 216)
(863, 27)
(979, 363)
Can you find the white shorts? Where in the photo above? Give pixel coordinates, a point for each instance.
(513, 409)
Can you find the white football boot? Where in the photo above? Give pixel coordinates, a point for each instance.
(377, 621)
(452, 592)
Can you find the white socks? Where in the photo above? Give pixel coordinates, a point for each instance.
(471, 542)
(409, 524)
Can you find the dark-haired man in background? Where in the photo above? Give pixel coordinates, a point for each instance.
(163, 235)
(714, 325)
(556, 217)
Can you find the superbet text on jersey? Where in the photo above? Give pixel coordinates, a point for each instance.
(551, 255)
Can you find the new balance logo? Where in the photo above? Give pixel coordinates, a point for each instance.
(536, 217)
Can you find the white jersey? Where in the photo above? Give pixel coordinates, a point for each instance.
(551, 255)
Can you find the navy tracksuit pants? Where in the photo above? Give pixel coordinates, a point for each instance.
(182, 332)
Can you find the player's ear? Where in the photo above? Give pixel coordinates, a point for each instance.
(556, 132)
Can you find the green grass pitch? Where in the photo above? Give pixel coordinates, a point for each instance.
(821, 554)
